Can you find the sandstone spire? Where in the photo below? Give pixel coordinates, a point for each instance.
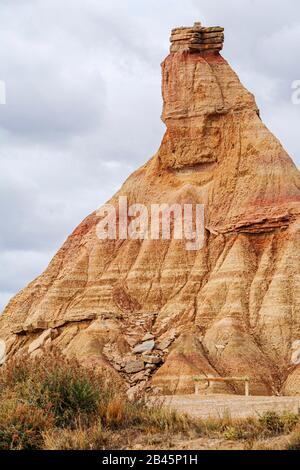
(154, 313)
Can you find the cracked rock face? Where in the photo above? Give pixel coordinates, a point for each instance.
(233, 306)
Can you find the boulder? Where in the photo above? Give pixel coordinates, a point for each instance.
(132, 367)
(146, 346)
(151, 367)
(148, 337)
(164, 344)
(139, 376)
(40, 340)
(295, 359)
(296, 345)
(151, 359)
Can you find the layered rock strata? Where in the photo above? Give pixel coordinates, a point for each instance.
(153, 313)
(197, 39)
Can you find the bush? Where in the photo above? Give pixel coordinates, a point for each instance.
(54, 403)
(56, 384)
(22, 425)
(269, 424)
(68, 394)
(290, 421)
(272, 423)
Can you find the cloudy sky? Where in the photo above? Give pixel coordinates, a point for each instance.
(83, 103)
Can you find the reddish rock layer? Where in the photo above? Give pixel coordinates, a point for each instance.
(231, 308)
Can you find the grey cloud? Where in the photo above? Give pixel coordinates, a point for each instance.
(17, 266)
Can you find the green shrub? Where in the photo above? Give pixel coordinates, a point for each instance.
(273, 424)
(290, 421)
(68, 394)
(56, 384)
(269, 424)
(54, 403)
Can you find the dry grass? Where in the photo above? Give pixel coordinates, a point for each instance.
(22, 425)
(294, 440)
(80, 438)
(52, 403)
(267, 425)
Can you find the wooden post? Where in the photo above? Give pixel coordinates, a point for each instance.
(247, 387)
(223, 379)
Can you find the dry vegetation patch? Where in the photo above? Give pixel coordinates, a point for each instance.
(54, 403)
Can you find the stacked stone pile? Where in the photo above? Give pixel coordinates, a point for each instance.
(197, 38)
(138, 365)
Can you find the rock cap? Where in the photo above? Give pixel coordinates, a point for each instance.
(197, 38)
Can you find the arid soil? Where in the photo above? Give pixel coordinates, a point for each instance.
(216, 406)
(231, 407)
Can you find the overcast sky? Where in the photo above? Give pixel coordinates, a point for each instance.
(84, 103)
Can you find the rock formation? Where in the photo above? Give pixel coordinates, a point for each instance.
(153, 313)
(197, 39)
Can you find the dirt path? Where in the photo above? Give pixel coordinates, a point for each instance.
(235, 406)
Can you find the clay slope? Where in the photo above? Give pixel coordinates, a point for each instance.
(231, 308)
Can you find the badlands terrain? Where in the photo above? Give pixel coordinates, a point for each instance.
(154, 314)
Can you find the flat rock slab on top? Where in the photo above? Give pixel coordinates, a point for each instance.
(197, 38)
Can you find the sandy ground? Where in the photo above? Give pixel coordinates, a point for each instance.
(217, 406)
